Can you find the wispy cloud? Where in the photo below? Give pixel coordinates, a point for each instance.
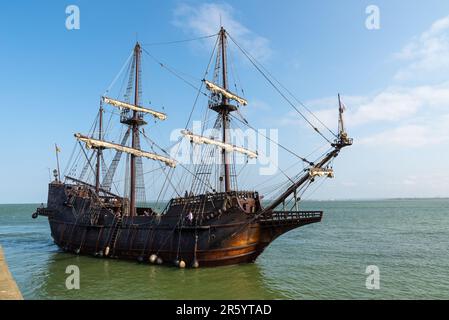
(410, 115)
(427, 55)
(427, 133)
(399, 103)
(415, 111)
(205, 19)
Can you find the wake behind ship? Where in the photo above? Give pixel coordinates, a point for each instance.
(213, 222)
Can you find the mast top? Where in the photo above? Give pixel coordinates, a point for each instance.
(221, 96)
(343, 139)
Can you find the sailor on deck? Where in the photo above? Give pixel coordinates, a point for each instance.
(190, 217)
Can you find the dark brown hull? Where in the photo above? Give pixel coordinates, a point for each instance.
(231, 238)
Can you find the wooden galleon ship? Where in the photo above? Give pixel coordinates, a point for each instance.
(210, 223)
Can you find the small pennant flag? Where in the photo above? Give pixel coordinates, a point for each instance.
(57, 148)
(342, 106)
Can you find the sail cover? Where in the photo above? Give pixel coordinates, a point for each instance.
(228, 147)
(121, 104)
(217, 89)
(138, 153)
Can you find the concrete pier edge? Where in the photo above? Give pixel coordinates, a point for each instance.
(8, 287)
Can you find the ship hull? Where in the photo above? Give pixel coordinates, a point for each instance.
(139, 243)
(132, 245)
(233, 237)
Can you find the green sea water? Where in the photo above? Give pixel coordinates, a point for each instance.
(408, 240)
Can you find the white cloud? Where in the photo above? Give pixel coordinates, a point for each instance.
(408, 116)
(429, 132)
(419, 111)
(427, 56)
(404, 136)
(390, 105)
(204, 19)
(398, 103)
(416, 112)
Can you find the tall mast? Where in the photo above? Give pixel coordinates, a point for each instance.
(225, 111)
(99, 150)
(341, 127)
(135, 133)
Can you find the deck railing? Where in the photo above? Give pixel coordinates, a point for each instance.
(294, 215)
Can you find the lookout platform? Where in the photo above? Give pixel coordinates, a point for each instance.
(8, 287)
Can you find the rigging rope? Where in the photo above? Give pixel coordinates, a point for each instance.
(174, 72)
(177, 41)
(119, 73)
(278, 144)
(167, 153)
(202, 83)
(293, 96)
(277, 89)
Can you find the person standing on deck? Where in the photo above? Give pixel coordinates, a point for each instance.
(190, 217)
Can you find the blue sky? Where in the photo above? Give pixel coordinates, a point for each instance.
(394, 81)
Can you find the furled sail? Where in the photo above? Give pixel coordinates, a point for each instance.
(138, 153)
(217, 89)
(121, 104)
(320, 172)
(228, 147)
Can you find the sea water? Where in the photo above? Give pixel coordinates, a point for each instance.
(407, 240)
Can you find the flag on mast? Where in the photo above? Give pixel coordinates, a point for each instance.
(341, 104)
(57, 161)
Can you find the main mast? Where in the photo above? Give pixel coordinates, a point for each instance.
(135, 132)
(225, 111)
(220, 101)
